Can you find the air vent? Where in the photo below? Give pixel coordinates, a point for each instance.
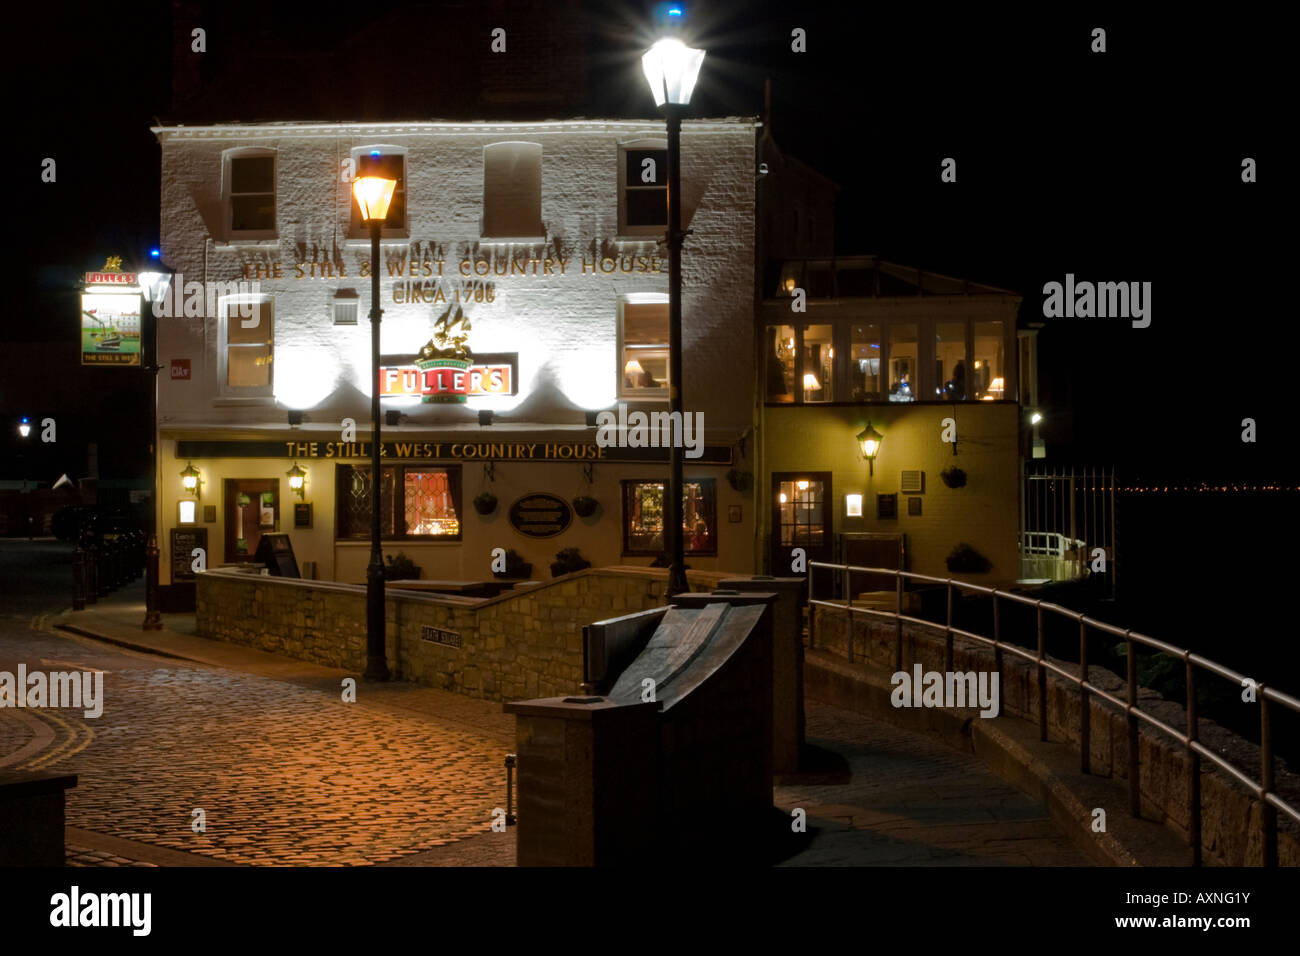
(913, 482)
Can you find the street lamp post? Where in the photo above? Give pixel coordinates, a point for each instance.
(373, 195)
(671, 68)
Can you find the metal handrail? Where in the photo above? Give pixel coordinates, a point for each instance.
(1262, 790)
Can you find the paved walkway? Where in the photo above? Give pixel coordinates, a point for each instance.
(284, 770)
(288, 774)
(905, 799)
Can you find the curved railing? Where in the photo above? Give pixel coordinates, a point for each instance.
(1262, 790)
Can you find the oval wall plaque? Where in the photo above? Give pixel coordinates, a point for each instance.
(540, 515)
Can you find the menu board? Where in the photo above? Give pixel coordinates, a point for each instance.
(184, 541)
(276, 552)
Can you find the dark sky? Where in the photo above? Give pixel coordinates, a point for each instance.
(1123, 166)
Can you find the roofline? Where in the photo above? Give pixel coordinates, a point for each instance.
(398, 127)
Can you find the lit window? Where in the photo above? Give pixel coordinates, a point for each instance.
(818, 364)
(643, 517)
(903, 384)
(250, 194)
(427, 504)
(864, 363)
(512, 190)
(248, 346)
(643, 347)
(989, 380)
(951, 375)
(388, 164)
(780, 362)
(426, 498)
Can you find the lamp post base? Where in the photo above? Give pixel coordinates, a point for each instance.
(152, 617)
(376, 655)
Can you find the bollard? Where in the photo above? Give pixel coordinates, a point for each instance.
(78, 579)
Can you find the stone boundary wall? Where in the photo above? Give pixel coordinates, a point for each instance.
(1230, 816)
(522, 644)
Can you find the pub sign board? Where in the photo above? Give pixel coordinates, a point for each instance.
(540, 515)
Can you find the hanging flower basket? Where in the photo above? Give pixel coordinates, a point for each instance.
(485, 502)
(966, 560)
(953, 477)
(740, 480)
(585, 506)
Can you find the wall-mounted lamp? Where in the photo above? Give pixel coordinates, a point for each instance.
(869, 446)
(295, 417)
(392, 417)
(24, 426)
(485, 416)
(1034, 419)
(297, 479)
(190, 481)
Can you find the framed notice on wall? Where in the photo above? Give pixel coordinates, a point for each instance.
(184, 541)
(302, 514)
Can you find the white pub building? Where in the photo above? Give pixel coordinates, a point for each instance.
(539, 249)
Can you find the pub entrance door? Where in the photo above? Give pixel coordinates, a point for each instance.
(252, 507)
(802, 518)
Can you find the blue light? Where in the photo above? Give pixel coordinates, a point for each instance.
(674, 11)
(374, 152)
(24, 419)
(155, 253)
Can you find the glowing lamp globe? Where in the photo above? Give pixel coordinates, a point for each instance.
(373, 195)
(671, 68)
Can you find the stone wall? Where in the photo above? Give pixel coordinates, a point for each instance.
(1230, 816)
(525, 643)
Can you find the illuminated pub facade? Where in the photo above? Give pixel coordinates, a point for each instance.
(538, 247)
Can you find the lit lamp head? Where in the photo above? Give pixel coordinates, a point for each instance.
(24, 426)
(869, 445)
(190, 480)
(671, 68)
(297, 479)
(373, 195)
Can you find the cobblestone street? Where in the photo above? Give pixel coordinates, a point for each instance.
(286, 774)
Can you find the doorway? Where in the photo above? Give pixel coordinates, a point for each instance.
(801, 518)
(252, 508)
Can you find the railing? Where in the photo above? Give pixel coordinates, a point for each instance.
(1262, 790)
(1048, 554)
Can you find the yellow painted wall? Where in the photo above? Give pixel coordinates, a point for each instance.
(985, 513)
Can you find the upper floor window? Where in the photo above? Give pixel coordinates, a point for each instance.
(643, 189)
(250, 194)
(643, 346)
(246, 345)
(892, 360)
(512, 191)
(390, 163)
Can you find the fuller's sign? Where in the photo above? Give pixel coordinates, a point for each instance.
(446, 383)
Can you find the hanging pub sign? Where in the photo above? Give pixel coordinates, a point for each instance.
(110, 316)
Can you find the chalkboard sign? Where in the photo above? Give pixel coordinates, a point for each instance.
(540, 515)
(275, 551)
(184, 541)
